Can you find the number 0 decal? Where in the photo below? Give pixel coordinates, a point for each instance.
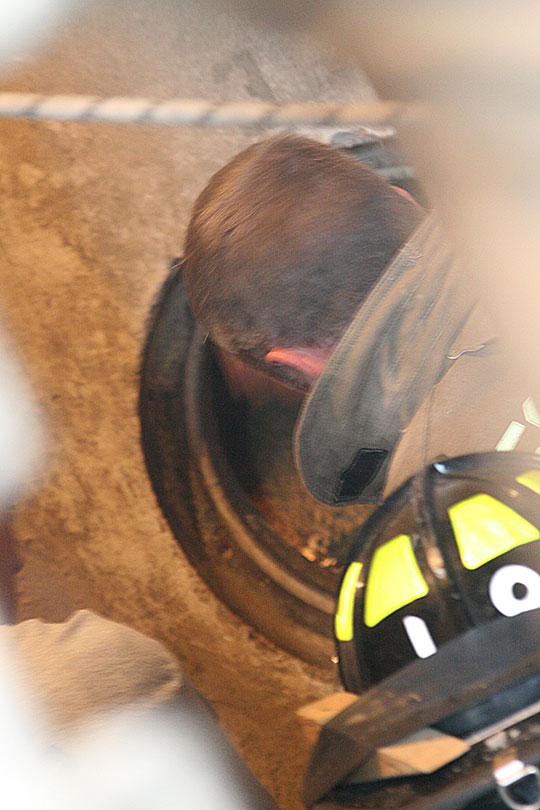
(504, 596)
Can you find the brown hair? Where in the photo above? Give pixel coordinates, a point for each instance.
(286, 241)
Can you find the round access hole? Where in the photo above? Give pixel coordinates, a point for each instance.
(225, 480)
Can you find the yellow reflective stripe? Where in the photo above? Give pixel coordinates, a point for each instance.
(530, 479)
(345, 609)
(394, 580)
(485, 528)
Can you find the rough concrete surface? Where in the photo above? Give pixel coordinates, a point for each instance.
(90, 215)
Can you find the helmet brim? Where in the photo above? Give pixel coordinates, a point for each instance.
(491, 658)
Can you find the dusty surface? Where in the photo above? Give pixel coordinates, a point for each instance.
(89, 217)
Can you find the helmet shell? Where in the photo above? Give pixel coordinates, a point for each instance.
(455, 547)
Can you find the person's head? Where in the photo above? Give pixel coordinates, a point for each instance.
(284, 244)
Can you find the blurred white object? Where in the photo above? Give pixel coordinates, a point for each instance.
(100, 717)
(476, 66)
(20, 430)
(27, 23)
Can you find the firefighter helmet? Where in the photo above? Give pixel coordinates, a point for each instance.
(437, 631)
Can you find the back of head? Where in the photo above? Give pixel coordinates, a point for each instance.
(286, 241)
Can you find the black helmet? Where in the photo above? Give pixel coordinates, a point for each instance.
(437, 629)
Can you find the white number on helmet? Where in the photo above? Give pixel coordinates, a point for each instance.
(504, 595)
(419, 636)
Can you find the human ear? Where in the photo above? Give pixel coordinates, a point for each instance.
(306, 360)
